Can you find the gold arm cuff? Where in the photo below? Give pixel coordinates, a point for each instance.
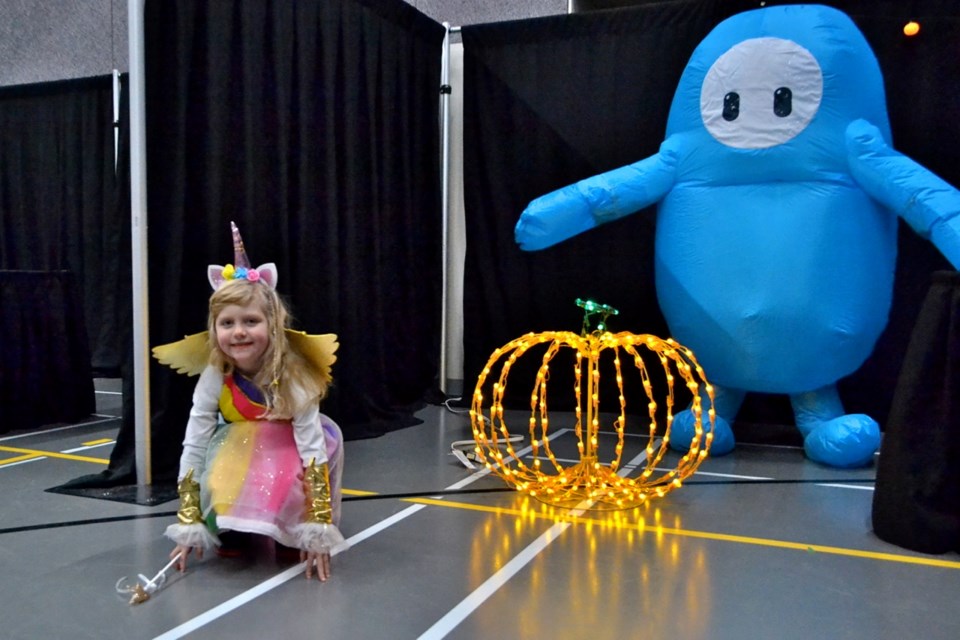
(316, 480)
(189, 490)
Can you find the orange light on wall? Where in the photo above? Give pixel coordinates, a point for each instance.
(593, 482)
(911, 28)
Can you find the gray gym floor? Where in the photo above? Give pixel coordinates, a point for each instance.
(759, 544)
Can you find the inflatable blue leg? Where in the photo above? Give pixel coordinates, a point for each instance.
(726, 404)
(831, 437)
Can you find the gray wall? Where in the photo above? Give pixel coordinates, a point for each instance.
(463, 12)
(46, 40)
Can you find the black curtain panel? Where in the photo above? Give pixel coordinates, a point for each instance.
(916, 503)
(60, 228)
(44, 360)
(314, 126)
(121, 469)
(548, 102)
(58, 206)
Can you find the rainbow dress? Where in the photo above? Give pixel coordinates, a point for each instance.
(250, 480)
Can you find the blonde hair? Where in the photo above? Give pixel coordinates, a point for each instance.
(288, 381)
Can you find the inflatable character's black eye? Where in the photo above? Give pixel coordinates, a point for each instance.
(731, 106)
(782, 102)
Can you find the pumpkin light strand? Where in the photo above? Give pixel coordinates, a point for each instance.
(591, 479)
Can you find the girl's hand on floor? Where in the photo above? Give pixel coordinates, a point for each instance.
(184, 551)
(318, 561)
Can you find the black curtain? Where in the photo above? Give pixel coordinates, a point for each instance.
(314, 126)
(917, 499)
(60, 229)
(550, 101)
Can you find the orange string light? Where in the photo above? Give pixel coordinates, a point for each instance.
(593, 479)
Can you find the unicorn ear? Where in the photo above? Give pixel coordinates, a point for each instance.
(268, 273)
(215, 275)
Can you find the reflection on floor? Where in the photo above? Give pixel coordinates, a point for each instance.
(758, 544)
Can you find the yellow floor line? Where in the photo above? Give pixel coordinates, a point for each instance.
(356, 492)
(96, 442)
(29, 456)
(656, 529)
(640, 527)
(50, 454)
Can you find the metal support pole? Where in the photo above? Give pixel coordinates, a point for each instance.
(116, 119)
(444, 192)
(138, 239)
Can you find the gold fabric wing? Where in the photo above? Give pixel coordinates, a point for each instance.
(318, 349)
(189, 356)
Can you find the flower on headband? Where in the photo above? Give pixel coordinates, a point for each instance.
(241, 268)
(231, 272)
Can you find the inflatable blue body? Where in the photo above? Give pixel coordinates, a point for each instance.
(778, 200)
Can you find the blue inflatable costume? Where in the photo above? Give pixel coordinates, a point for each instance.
(778, 198)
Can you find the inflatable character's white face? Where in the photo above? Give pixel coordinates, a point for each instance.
(761, 93)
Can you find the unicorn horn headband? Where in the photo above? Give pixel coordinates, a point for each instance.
(240, 269)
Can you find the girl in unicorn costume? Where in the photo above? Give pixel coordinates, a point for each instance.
(258, 456)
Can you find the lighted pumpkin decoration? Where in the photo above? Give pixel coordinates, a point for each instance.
(593, 482)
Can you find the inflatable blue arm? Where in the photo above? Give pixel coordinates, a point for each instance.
(569, 211)
(927, 203)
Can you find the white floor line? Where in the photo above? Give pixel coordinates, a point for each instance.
(233, 603)
(472, 602)
(268, 585)
(730, 475)
(759, 445)
(91, 446)
(54, 430)
(836, 485)
(17, 464)
(39, 458)
(847, 486)
(468, 605)
(264, 587)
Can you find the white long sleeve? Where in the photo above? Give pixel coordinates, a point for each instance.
(202, 422)
(308, 433)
